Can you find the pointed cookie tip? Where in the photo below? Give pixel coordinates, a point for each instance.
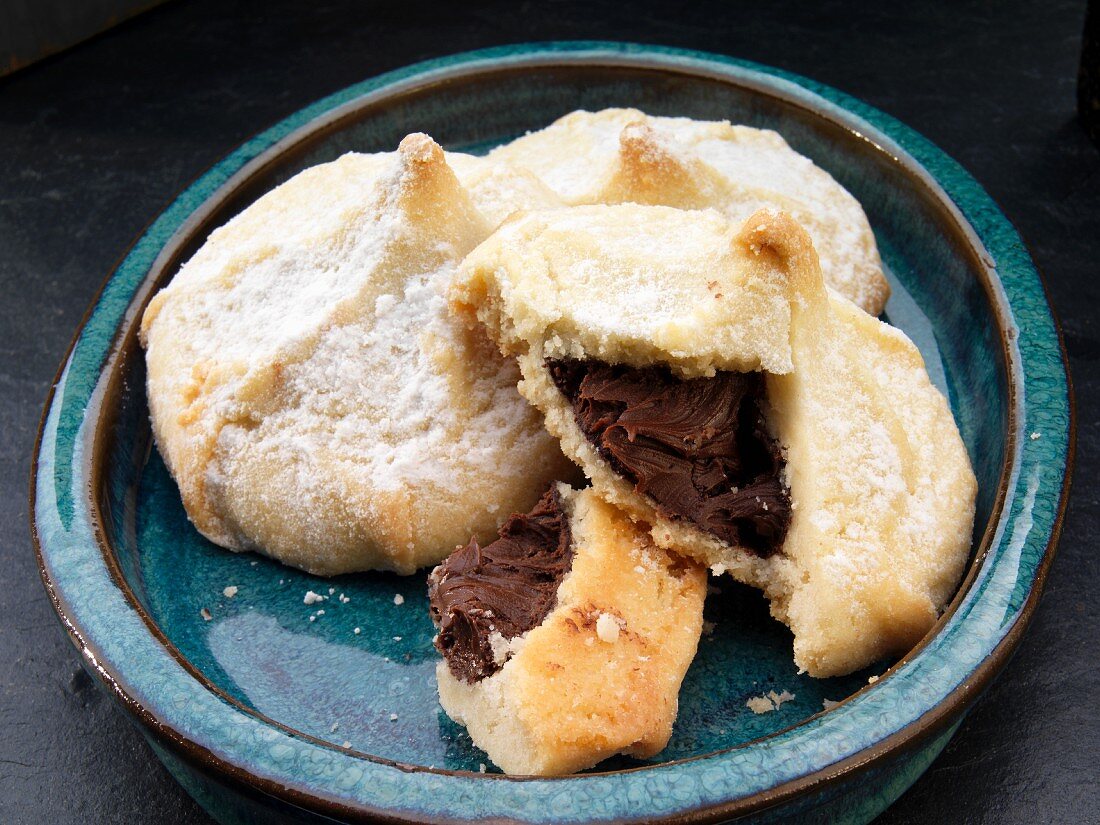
(420, 148)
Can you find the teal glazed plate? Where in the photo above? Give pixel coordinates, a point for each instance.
(268, 709)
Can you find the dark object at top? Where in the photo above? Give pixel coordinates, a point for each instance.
(33, 29)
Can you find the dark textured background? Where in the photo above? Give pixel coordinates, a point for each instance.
(33, 29)
(96, 141)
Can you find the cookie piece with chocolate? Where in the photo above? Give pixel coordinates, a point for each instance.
(308, 388)
(627, 156)
(711, 386)
(565, 640)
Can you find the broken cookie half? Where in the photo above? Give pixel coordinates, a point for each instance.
(627, 156)
(711, 387)
(565, 640)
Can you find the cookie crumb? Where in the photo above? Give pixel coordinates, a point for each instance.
(500, 647)
(769, 701)
(205, 614)
(872, 679)
(335, 725)
(397, 638)
(230, 592)
(357, 631)
(331, 590)
(607, 628)
(313, 618)
(393, 717)
(312, 598)
(345, 744)
(1035, 436)
(481, 767)
(398, 599)
(760, 704)
(829, 704)
(779, 698)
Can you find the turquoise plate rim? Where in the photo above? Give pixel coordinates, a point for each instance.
(920, 696)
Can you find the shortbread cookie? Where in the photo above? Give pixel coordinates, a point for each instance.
(836, 480)
(499, 189)
(881, 483)
(311, 394)
(566, 640)
(624, 155)
(603, 282)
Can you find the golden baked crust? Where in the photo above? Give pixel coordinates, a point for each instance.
(625, 155)
(568, 697)
(310, 393)
(880, 482)
(629, 284)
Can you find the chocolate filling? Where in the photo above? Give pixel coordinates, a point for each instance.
(697, 447)
(507, 587)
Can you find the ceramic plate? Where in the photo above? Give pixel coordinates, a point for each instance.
(261, 712)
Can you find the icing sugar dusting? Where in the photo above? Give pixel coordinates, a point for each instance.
(312, 393)
(377, 393)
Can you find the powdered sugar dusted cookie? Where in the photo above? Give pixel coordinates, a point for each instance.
(712, 387)
(881, 484)
(604, 282)
(624, 155)
(311, 394)
(566, 640)
(499, 189)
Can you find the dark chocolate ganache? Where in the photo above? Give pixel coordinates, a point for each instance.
(698, 448)
(506, 587)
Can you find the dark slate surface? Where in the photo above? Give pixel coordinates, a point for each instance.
(96, 141)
